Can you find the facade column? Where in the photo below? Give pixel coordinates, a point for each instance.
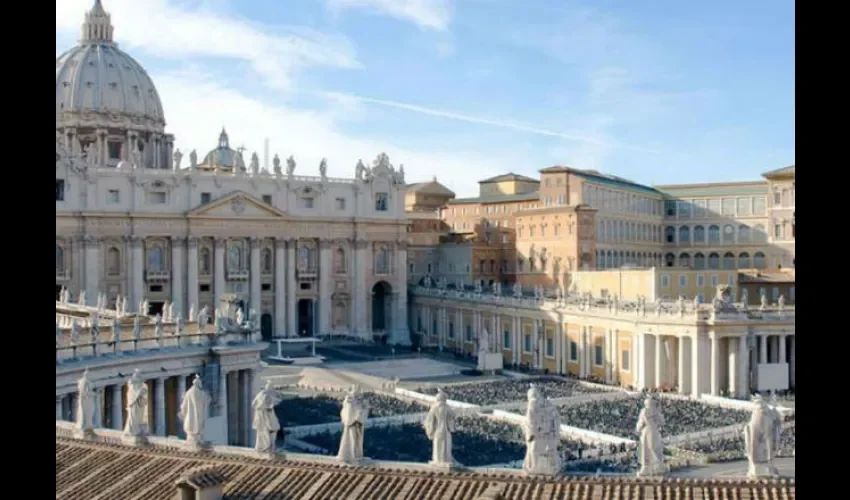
(280, 288)
(615, 356)
(715, 364)
(782, 355)
(97, 418)
(682, 365)
(358, 311)
(246, 417)
(91, 251)
(559, 342)
(734, 366)
(137, 280)
(659, 361)
(218, 272)
(516, 333)
(291, 282)
(637, 361)
(192, 282)
(59, 407)
(177, 258)
(763, 339)
(697, 361)
(792, 361)
(402, 332)
(323, 318)
(743, 380)
(181, 391)
(117, 408)
(159, 406)
(255, 278)
(222, 403)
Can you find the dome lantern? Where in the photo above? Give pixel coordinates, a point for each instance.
(97, 26)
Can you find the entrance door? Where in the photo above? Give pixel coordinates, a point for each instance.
(305, 318)
(266, 326)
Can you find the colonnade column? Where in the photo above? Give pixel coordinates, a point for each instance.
(559, 341)
(181, 391)
(255, 279)
(222, 404)
(118, 407)
(498, 336)
(192, 282)
(291, 326)
(782, 354)
(159, 406)
(280, 288)
(218, 271)
(325, 285)
(582, 352)
(402, 333)
(637, 361)
(177, 257)
(763, 348)
(515, 345)
(97, 418)
(698, 361)
(659, 362)
(137, 280)
(743, 379)
(715, 364)
(734, 366)
(246, 379)
(792, 361)
(684, 385)
(59, 407)
(91, 252)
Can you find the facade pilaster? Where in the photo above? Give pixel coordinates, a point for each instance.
(291, 283)
(255, 278)
(684, 385)
(177, 259)
(698, 362)
(782, 353)
(359, 267)
(246, 418)
(402, 333)
(137, 281)
(59, 408)
(792, 361)
(92, 264)
(582, 353)
(659, 361)
(192, 284)
(715, 364)
(733, 365)
(323, 317)
(117, 408)
(763, 339)
(159, 406)
(181, 391)
(280, 288)
(218, 271)
(223, 407)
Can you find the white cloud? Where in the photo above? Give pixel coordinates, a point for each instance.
(178, 32)
(427, 14)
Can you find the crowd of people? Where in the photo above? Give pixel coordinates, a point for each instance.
(325, 408)
(732, 447)
(626, 463)
(505, 391)
(619, 417)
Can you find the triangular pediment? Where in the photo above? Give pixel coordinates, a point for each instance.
(237, 205)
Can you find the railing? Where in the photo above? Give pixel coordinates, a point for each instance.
(262, 174)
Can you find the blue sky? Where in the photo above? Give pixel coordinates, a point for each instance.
(657, 91)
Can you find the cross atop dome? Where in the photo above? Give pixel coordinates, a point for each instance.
(97, 26)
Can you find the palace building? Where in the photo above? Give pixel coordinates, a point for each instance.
(308, 253)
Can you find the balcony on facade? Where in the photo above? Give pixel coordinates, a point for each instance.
(238, 274)
(157, 276)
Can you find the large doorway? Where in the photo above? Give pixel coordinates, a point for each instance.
(306, 310)
(381, 302)
(266, 326)
(154, 308)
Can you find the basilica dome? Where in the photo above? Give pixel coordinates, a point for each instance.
(223, 157)
(99, 85)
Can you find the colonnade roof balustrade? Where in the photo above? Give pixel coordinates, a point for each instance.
(548, 300)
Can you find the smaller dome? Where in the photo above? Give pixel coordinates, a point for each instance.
(223, 157)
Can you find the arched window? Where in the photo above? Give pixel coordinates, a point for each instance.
(155, 259)
(759, 261)
(728, 233)
(669, 234)
(699, 234)
(684, 235)
(759, 235)
(699, 261)
(714, 260)
(382, 261)
(339, 261)
(60, 259)
(744, 260)
(266, 258)
(728, 260)
(303, 258)
(669, 260)
(684, 260)
(714, 234)
(113, 262)
(234, 257)
(743, 233)
(204, 261)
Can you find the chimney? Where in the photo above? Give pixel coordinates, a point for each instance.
(203, 483)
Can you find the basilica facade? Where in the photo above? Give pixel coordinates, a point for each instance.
(309, 254)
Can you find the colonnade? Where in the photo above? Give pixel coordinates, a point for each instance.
(165, 393)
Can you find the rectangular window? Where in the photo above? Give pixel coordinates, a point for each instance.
(728, 207)
(451, 330)
(683, 281)
(550, 348)
(469, 333)
(684, 209)
(267, 199)
(624, 360)
(714, 281)
(701, 298)
(114, 149)
(744, 206)
(700, 281)
(434, 327)
(777, 231)
(60, 189)
(340, 204)
(113, 196)
(504, 239)
(669, 208)
(156, 198)
(506, 339)
(307, 202)
(411, 267)
(573, 351)
(429, 268)
(665, 281)
(597, 355)
(527, 343)
(381, 202)
(699, 209)
(205, 198)
(481, 266)
(731, 280)
(759, 206)
(204, 288)
(266, 287)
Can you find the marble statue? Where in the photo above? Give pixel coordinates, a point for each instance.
(240, 317)
(542, 428)
(359, 170)
(696, 302)
(255, 163)
(136, 425)
(75, 332)
(85, 403)
(439, 425)
(780, 304)
(276, 165)
(479, 288)
(763, 305)
(265, 421)
(194, 410)
(192, 314)
(658, 306)
(91, 154)
(761, 439)
(253, 320)
(203, 317)
(517, 290)
(116, 332)
(680, 304)
(290, 166)
(400, 174)
(323, 168)
(146, 307)
(461, 286)
(157, 326)
(745, 296)
(353, 415)
(136, 158)
(82, 300)
(651, 447)
(137, 328)
(180, 324)
(483, 346)
(177, 157)
(497, 288)
(165, 315)
(193, 159)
